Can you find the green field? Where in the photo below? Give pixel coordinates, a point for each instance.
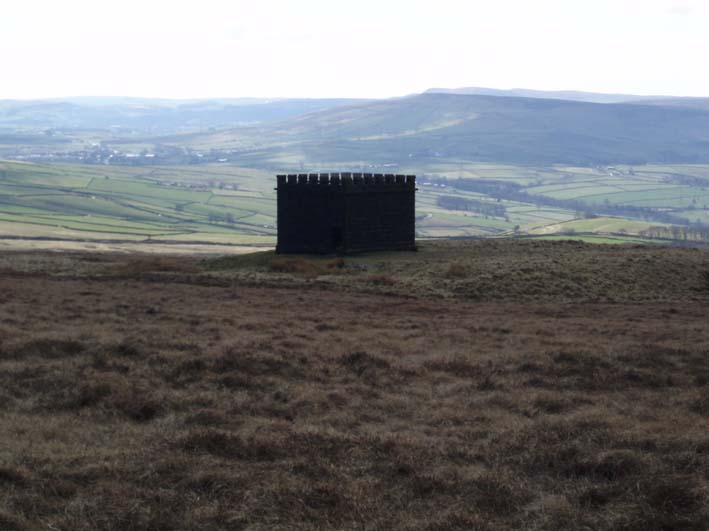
(227, 204)
(590, 238)
(137, 204)
(646, 186)
(216, 203)
(600, 225)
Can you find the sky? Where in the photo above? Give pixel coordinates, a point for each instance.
(361, 49)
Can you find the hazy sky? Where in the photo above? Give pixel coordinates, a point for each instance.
(362, 48)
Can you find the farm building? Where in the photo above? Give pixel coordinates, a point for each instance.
(345, 212)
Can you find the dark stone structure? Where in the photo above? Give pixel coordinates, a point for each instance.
(345, 212)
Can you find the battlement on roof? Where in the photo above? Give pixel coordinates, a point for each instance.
(345, 179)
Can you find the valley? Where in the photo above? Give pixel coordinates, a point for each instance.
(228, 208)
(489, 164)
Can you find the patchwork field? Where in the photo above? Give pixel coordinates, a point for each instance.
(140, 204)
(210, 204)
(466, 386)
(650, 186)
(606, 225)
(233, 206)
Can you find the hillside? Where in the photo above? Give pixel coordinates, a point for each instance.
(574, 95)
(157, 116)
(155, 393)
(483, 128)
(541, 128)
(688, 103)
(505, 269)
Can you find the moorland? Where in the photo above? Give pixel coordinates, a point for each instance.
(490, 385)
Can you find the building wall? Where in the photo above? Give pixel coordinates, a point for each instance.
(348, 212)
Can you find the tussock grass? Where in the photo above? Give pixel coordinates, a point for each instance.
(299, 266)
(137, 264)
(381, 280)
(234, 406)
(309, 268)
(493, 270)
(456, 270)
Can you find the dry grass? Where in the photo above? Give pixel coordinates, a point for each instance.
(132, 402)
(136, 264)
(497, 270)
(381, 280)
(456, 270)
(298, 266)
(306, 268)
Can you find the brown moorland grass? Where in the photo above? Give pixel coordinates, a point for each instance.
(494, 270)
(149, 402)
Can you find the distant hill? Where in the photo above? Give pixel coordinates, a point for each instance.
(427, 127)
(689, 103)
(156, 116)
(486, 128)
(573, 95)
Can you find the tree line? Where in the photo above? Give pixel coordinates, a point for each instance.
(485, 208)
(689, 234)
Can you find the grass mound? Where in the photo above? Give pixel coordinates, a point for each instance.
(488, 270)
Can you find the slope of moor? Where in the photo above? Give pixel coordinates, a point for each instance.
(155, 393)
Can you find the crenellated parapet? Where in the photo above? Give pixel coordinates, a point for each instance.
(345, 179)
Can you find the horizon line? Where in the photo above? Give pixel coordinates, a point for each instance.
(281, 98)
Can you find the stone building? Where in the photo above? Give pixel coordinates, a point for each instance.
(345, 212)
